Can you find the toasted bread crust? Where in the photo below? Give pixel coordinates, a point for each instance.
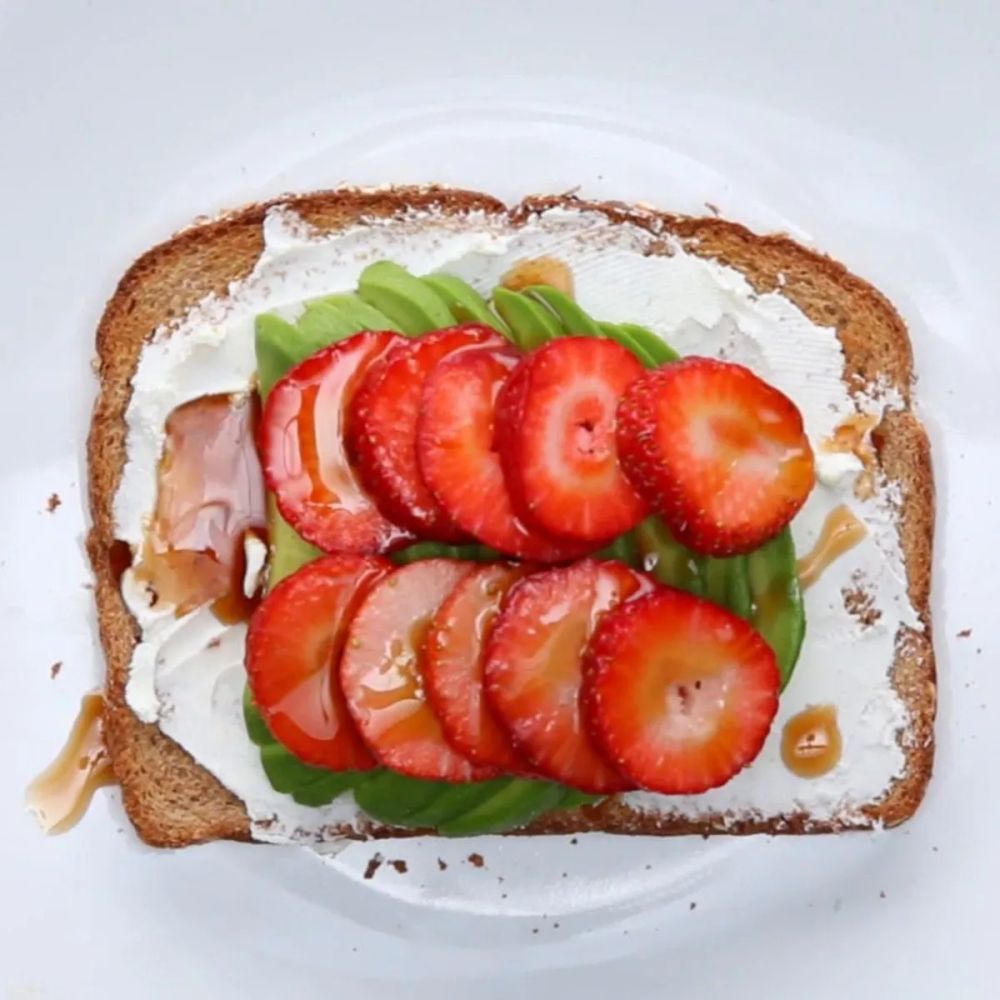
(173, 801)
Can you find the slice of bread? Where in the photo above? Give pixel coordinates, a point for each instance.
(173, 801)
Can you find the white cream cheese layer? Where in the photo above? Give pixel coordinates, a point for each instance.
(187, 674)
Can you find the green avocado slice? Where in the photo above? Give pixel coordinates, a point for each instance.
(463, 301)
(531, 324)
(657, 348)
(623, 548)
(727, 582)
(391, 798)
(277, 346)
(614, 332)
(573, 319)
(321, 325)
(456, 801)
(514, 806)
(406, 300)
(779, 612)
(359, 314)
(674, 564)
(474, 552)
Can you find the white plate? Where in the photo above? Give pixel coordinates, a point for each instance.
(871, 134)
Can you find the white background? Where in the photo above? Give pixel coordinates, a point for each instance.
(869, 129)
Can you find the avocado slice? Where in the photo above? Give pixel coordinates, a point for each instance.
(277, 346)
(406, 300)
(727, 582)
(660, 351)
(516, 805)
(463, 301)
(675, 565)
(531, 324)
(391, 798)
(614, 332)
(358, 313)
(623, 548)
(573, 319)
(778, 610)
(256, 726)
(326, 788)
(455, 801)
(474, 552)
(573, 798)
(289, 551)
(321, 325)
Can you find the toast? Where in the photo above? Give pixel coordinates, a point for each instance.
(173, 801)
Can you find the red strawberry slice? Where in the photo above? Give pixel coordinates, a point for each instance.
(718, 452)
(455, 447)
(383, 431)
(304, 455)
(556, 439)
(453, 666)
(679, 692)
(380, 672)
(533, 667)
(294, 644)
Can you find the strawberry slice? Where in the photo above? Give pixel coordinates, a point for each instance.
(304, 455)
(556, 439)
(453, 666)
(383, 431)
(455, 448)
(533, 666)
(380, 672)
(718, 452)
(679, 692)
(293, 650)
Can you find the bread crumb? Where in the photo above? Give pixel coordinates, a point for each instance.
(55, 668)
(476, 860)
(859, 602)
(442, 864)
(573, 840)
(692, 905)
(54, 501)
(658, 248)
(714, 209)
(881, 894)
(374, 863)
(964, 634)
(400, 865)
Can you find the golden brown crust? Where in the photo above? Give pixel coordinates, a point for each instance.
(174, 802)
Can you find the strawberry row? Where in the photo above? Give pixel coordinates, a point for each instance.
(590, 674)
(546, 455)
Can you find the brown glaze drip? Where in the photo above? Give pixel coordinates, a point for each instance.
(841, 532)
(810, 742)
(59, 796)
(210, 496)
(853, 436)
(539, 271)
(119, 560)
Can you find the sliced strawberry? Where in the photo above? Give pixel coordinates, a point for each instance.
(533, 667)
(556, 439)
(293, 651)
(455, 448)
(381, 674)
(304, 455)
(718, 452)
(383, 431)
(453, 666)
(679, 692)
